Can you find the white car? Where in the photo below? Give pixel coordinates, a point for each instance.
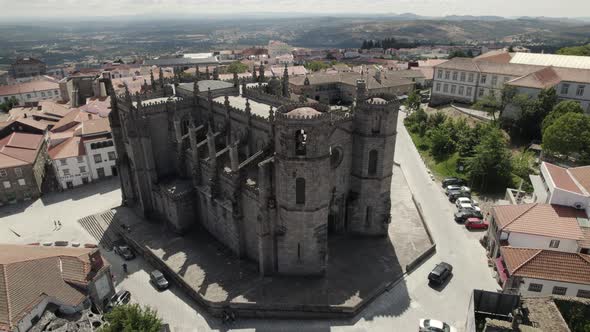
(432, 325)
(465, 200)
(452, 187)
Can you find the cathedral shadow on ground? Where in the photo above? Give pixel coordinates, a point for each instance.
(358, 269)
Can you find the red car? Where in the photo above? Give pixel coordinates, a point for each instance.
(476, 223)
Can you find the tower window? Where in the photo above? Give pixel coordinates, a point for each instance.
(184, 126)
(368, 217)
(300, 191)
(300, 142)
(376, 124)
(373, 155)
(299, 252)
(335, 156)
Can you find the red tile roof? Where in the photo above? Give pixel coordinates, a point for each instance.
(540, 219)
(71, 147)
(582, 176)
(38, 85)
(562, 179)
(96, 126)
(547, 264)
(21, 146)
(542, 79)
(30, 273)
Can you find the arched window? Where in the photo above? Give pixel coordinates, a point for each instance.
(373, 155)
(184, 125)
(335, 156)
(300, 191)
(376, 122)
(300, 141)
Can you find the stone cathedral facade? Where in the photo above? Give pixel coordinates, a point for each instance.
(270, 179)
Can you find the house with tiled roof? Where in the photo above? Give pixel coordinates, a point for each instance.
(536, 225)
(22, 167)
(33, 277)
(563, 186)
(331, 87)
(542, 272)
(33, 91)
(81, 149)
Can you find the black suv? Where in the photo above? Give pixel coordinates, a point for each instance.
(124, 251)
(440, 273)
(453, 181)
(465, 214)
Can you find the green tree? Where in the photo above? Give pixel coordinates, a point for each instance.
(490, 168)
(521, 164)
(237, 68)
(316, 65)
(436, 119)
(569, 134)
(490, 104)
(9, 104)
(416, 122)
(441, 143)
(131, 318)
(564, 107)
(534, 111)
(413, 102)
(575, 50)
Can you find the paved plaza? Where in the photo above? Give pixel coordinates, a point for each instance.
(35, 221)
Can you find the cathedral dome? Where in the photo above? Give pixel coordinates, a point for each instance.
(303, 111)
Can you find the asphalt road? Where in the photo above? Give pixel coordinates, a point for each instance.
(397, 310)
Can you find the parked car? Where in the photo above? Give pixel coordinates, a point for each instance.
(124, 251)
(466, 200)
(432, 325)
(453, 195)
(476, 223)
(158, 279)
(120, 298)
(463, 215)
(451, 188)
(453, 181)
(440, 273)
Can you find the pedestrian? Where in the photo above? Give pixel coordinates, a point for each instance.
(125, 267)
(54, 224)
(59, 223)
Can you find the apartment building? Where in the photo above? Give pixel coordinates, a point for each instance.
(28, 67)
(467, 80)
(29, 92)
(22, 167)
(82, 150)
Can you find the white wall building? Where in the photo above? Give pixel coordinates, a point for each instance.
(70, 162)
(468, 80)
(33, 91)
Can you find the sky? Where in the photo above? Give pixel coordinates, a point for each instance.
(109, 8)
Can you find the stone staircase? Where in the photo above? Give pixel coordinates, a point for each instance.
(100, 227)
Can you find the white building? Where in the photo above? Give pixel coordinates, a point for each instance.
(537, 272)
(100, 148)
(537, 226)
(563, 186)
(33, 91)
(70, 162)
(468, 80)
(82, 150)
